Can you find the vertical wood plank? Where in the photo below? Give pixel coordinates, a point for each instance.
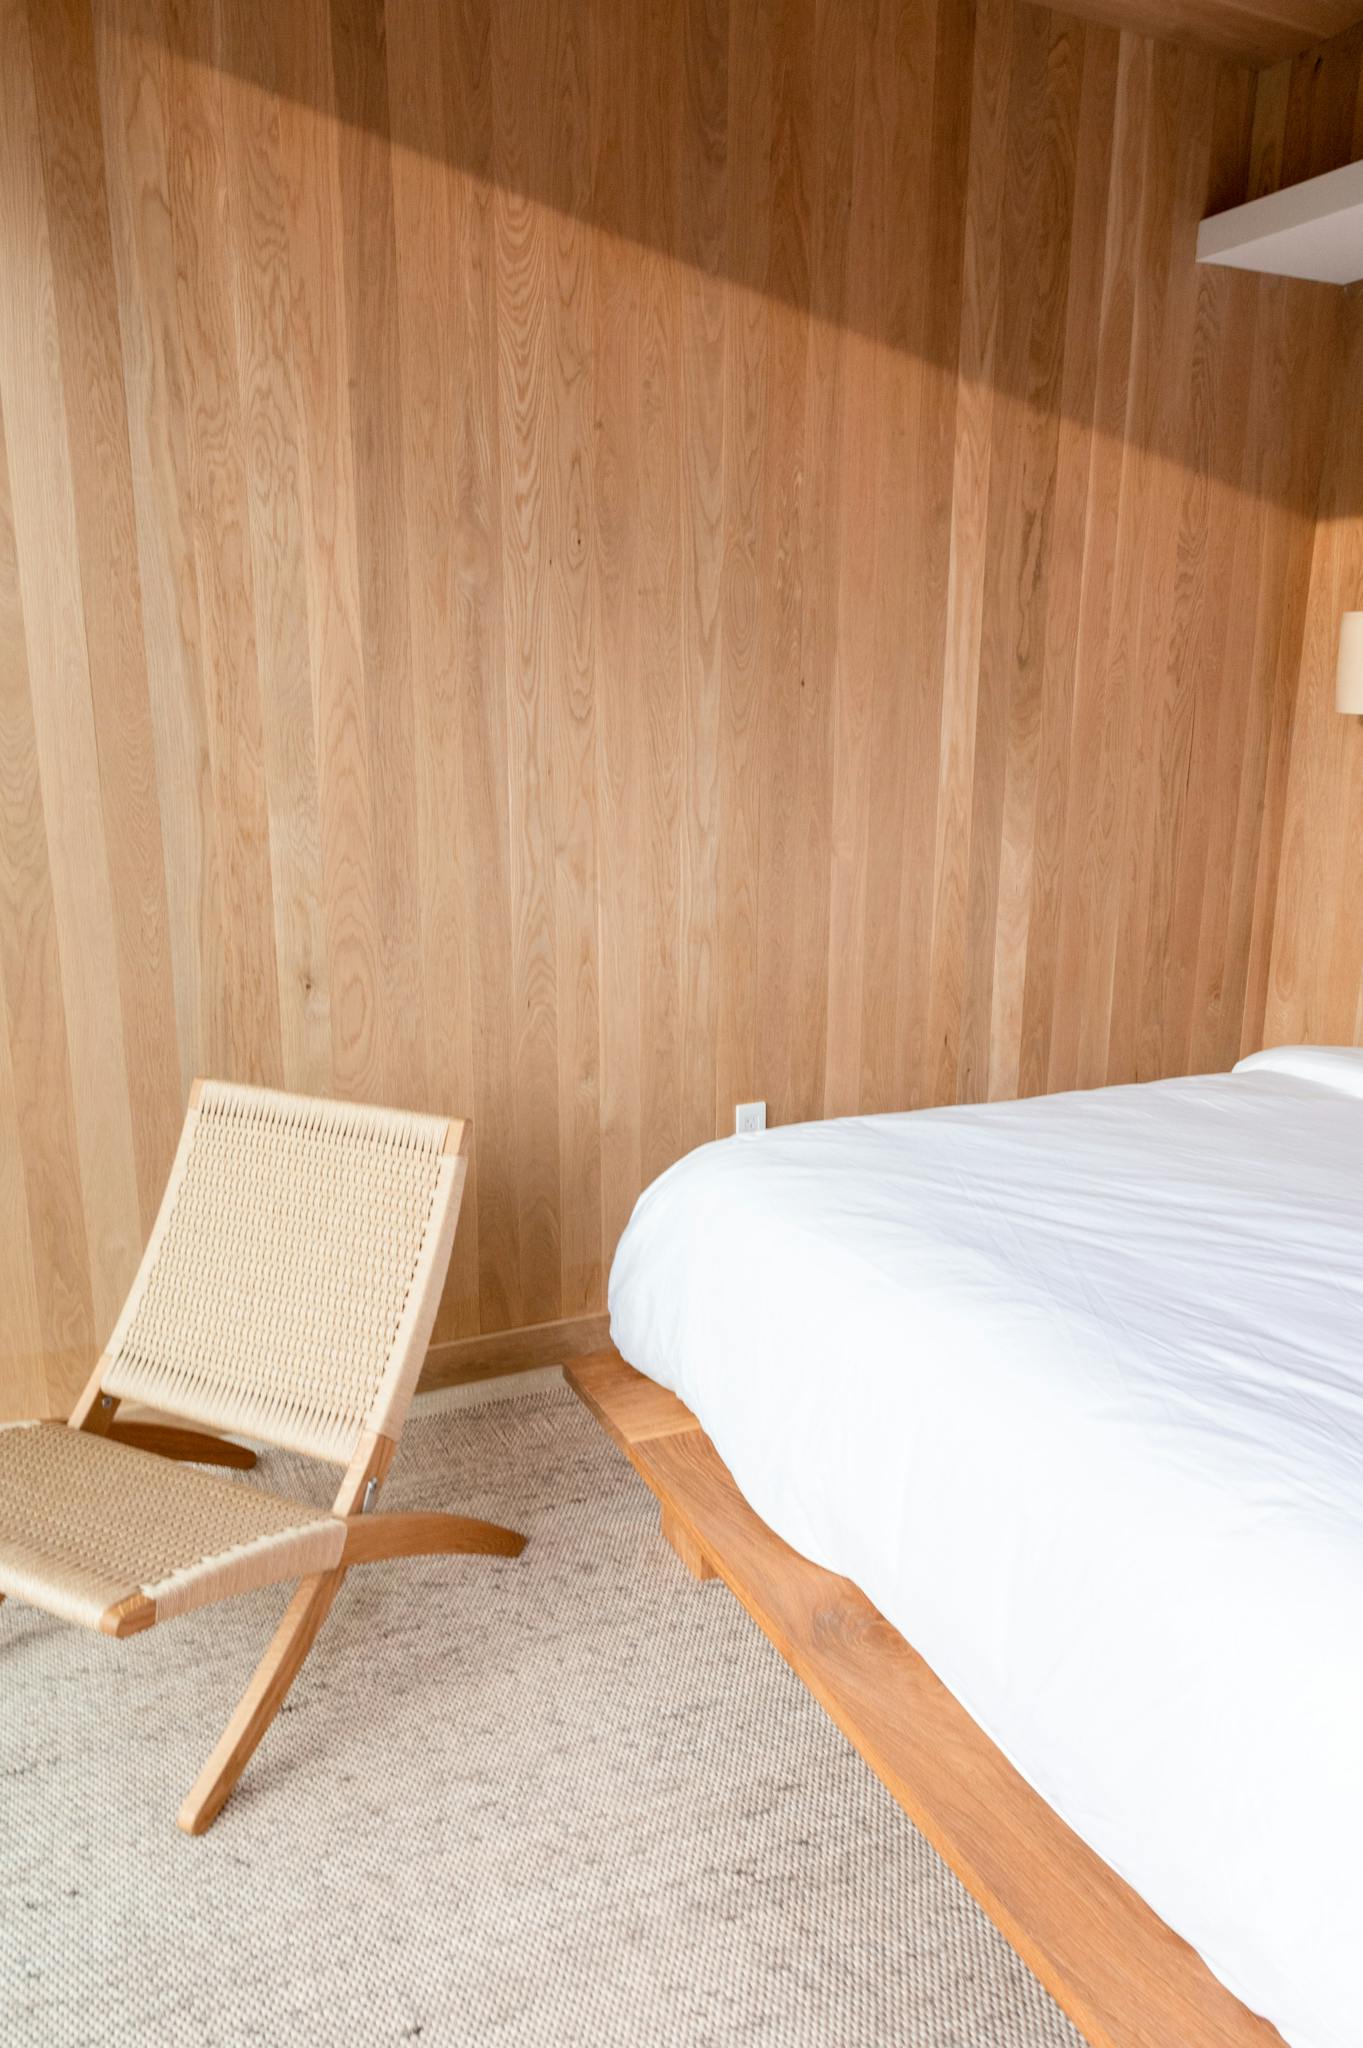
(1039, 213)
(1051, 880)
(662, 968)
(1164, 559)
(377, 398)
(106, 530)
(1103, 675)
(242, 1036)
(616, 119)
(858, 556)
(482, 670)
(316, 351)
(133, 77)
(65, 741)
(701, 170)
(972, 467)
(1315, 976)
(272, 447)
(44, 1257)
(571, 514)
(431, 221)
(932, 154)
(792, 862)
(743, 597)
(521, 43)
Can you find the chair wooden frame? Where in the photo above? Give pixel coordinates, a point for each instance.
(367, 1538)
(1120, 1973)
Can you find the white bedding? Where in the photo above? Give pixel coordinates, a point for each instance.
(1073, 1390)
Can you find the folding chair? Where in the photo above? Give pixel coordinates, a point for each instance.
(287, 1294)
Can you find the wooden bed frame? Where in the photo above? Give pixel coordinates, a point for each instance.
(1124, 1978)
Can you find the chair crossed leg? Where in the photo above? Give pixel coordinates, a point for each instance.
(369, 1539)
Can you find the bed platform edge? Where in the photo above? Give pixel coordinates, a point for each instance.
(1124, 1977)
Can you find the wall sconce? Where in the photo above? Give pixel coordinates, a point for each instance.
(1349, 672)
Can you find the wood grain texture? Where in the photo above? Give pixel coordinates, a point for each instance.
(194, 1446)
(453, 1362)
(1256, 31)
(1119, 1972)
(578, 564)
(374, 1539)
(1310, 932)
(1315, 992)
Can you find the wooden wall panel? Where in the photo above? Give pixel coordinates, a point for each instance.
(64, 760)
(1311, 920)
(1315, 993)
(579, 563)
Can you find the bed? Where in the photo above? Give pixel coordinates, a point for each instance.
(1072, 1391)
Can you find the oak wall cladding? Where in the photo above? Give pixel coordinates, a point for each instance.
(578, 562)
(1316, 991)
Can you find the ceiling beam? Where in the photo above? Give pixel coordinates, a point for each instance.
(1255, 32)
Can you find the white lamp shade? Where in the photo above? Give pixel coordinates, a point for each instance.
(1349, 673)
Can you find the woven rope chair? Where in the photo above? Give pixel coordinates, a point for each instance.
(286, 1294)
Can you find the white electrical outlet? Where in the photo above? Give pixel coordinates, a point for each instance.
(749, 1118)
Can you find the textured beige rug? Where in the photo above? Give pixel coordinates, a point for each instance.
(572, 1799)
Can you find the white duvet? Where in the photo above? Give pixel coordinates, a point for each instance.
(1073, 1390)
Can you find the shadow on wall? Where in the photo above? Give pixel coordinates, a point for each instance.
(1000, 190)
(826, 633)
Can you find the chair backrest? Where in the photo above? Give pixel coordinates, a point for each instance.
(289, 1286)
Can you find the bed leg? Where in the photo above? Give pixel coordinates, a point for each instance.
(685, 1545)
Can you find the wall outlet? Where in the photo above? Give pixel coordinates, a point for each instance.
(749, 1118)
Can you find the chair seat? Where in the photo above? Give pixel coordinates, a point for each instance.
(87, 1525)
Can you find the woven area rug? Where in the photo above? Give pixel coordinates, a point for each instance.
(572, 1799)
